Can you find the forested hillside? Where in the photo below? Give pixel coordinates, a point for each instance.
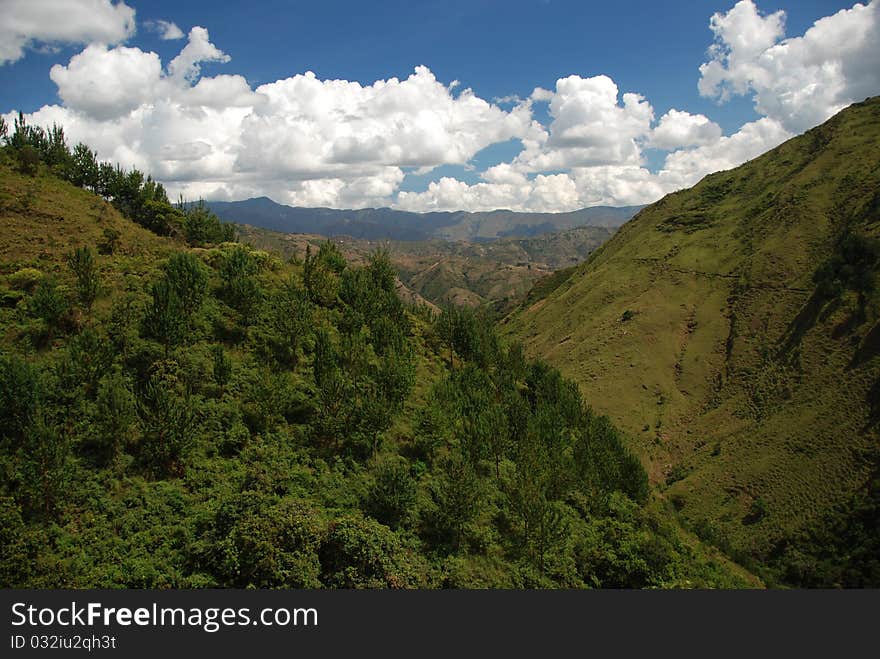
(733, 330)
(180, 410)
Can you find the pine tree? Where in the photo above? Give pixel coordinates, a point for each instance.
(82, 262)
(168, 424)
(166, 320)
(189, 280)
(50, 305)
(42, 466)
(115, 417)
(221, 366)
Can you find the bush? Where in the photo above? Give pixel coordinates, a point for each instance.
(259, 545)
(110, 241)
(361, 553)
(26, 279)
(18, 555)
(28, 160)
(757, 511)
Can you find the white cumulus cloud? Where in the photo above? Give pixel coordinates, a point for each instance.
(800, 81)
(106, 83)
(308, 141)
(610, 185)
(29, 23)
(309, 126)
(302, 140)
(589, 126)
(167, 30)
(678, 129)
(187, 65)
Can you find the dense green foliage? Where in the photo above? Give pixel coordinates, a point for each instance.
(174, 417)
(237, 422)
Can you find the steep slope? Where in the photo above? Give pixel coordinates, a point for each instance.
(42, 218)
(732, 329)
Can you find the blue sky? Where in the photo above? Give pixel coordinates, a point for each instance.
(497, 49)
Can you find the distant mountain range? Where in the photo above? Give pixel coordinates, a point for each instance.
(390, 224)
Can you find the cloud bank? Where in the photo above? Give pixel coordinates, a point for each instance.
(28, 23)
(311, 142)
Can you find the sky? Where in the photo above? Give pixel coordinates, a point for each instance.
(537, 105)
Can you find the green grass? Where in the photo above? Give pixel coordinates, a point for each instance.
(704, 376)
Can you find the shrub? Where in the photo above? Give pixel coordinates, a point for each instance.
(362, 553)
(26, 279)
(28, 160)
(110, 241)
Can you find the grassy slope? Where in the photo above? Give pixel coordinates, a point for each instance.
(42, 219)
(719, 402)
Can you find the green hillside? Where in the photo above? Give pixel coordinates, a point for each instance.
(732, 331)
(217, 416)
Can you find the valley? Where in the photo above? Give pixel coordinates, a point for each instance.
(689, 400)
(182, 410)
(493, 274)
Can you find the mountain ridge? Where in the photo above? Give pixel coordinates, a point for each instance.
(394, 224)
